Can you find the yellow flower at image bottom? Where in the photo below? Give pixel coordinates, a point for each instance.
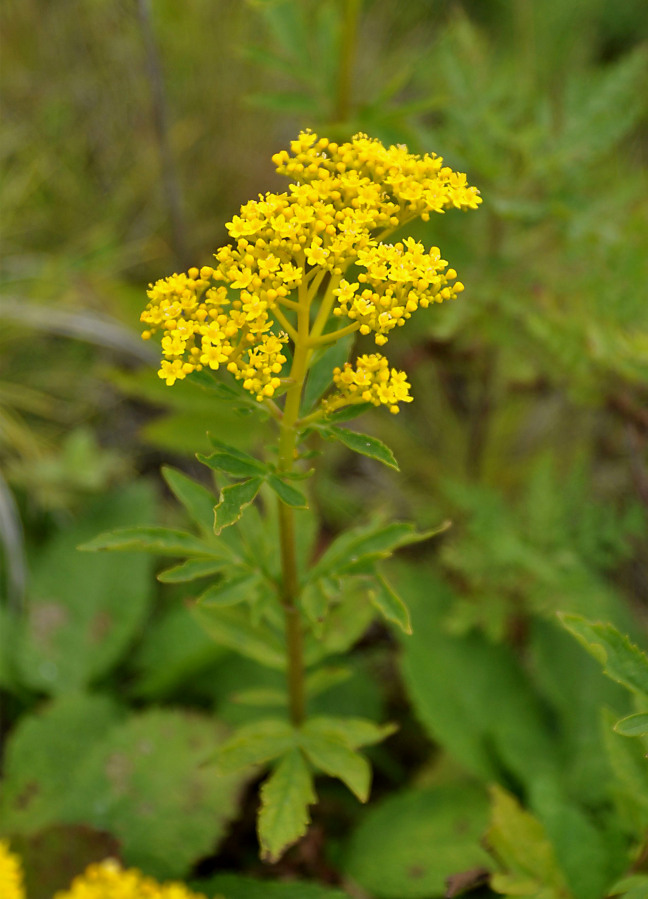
(11, 879)
(108, 880)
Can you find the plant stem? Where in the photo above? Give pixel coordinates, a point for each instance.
(290, 577)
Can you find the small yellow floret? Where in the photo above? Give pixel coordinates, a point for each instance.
(108, 880)
(11, 876)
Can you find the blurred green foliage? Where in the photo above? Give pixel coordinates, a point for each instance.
(529, 430)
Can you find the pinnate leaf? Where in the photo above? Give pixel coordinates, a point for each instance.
(285, 797)
(353, 732)
(255, 744)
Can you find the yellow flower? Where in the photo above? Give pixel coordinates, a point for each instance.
(344, 201)
(108, 880)
(11, 878)
(370, 381)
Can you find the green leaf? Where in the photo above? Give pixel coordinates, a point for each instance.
(622, 660)
(320, 374)
(360, 443)
(633, 887)
(149, 770)
(192, 570)
(42, 750)
(238, 465)
(324, 679)
(233, 500)
(633, 725)
(241, 588)
(367, 542)
(84, 610)
(231, 626)
(315, 603)
(285, 797)
(197, 500)
(333, 757)
(353, 732)
(389, 604)
(159, 541)
(520, 845)
(407, 846)
(288, 494)
(255, 744)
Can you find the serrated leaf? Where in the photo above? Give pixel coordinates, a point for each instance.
(197, 499)
(240, 588)
(159, 541)
(633, 725)
(233, 500)
(333, 757)
(622, 660)
(389, 604)
(255, 744)
(353, 732)
(360, 443)
(285, 797)
(192, 570)
(288, 494)
(238, 466)
(230, 626)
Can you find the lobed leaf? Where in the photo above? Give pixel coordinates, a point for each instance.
(233, 500)
(335, 758)
(238, 465)
(285, 797)
(255, 744)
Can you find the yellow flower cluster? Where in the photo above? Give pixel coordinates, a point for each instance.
(108, 880)
(288, 248)
(399, 278)
(11, 878)
(370, 381)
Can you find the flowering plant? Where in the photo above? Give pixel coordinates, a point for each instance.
(304, 271)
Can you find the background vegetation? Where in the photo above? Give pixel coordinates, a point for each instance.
(131, 133)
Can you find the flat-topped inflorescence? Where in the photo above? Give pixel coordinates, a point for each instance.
(289, 256)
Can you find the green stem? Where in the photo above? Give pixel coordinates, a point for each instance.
(332, 336)
(290, 577)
